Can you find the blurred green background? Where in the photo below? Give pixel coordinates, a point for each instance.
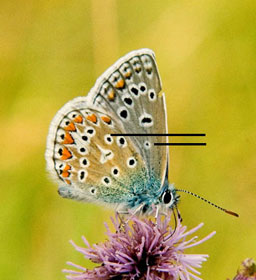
(53, 51)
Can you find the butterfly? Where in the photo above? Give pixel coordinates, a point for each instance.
(91, 153)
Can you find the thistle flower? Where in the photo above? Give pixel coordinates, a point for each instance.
(247, 270)
(142, 249)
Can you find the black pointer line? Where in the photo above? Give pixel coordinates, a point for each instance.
(180, 144)
(166, 134)
(155, 134)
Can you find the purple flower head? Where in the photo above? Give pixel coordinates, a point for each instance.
(142, 249)
(247, 270)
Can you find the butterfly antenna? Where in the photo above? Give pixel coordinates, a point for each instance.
(205, 200)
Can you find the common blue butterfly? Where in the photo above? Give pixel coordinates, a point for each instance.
(126, 172)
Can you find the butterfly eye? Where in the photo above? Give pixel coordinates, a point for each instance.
(167, 197)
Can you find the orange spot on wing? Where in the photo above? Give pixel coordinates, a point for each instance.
(92, 118)
(128, 74)
(66, 154)
(68, 182)
(67, 167)
(65, 174)
(106, 119)
(111, 95)
(78, 119)
(70, 127)
(68, 139)
(120, 84)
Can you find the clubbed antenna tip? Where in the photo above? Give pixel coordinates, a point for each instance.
(231, 213)
(213, 204)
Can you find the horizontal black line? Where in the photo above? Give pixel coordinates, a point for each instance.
(180, 144)
(156, 134)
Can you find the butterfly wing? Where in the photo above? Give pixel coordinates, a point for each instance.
(81, 154)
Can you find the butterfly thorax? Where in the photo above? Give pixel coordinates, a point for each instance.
(152, 194)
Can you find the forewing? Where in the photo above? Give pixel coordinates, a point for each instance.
(130, 91)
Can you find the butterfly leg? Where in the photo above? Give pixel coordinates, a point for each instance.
(130, 213)
(121, 216)
(162, 212)
(137, 210)
(157, 211)
(122, 212)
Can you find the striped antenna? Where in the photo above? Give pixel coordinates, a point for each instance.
(205, 200)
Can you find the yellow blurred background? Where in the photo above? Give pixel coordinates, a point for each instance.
(53, 51)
